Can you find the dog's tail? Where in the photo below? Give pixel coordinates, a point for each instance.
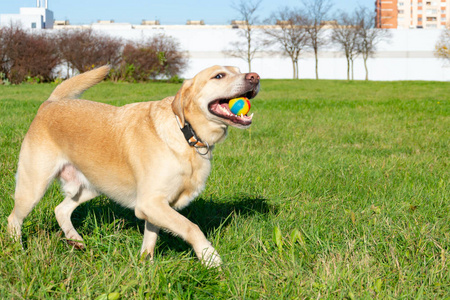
(75, 86)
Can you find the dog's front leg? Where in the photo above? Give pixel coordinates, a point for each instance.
(150, 236)
(159, 213)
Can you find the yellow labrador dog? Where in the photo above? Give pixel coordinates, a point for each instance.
(153, 157)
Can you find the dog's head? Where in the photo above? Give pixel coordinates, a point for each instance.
(206, 96)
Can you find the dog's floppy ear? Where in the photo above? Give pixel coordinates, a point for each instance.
(179, 102)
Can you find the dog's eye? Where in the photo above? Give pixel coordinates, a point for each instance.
(219, 76)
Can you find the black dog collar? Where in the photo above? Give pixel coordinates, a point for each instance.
(192, 139)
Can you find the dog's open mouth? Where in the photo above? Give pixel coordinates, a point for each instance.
(221, 109)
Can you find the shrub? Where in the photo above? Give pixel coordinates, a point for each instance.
(26, 55)
(33, 57)
(84, 49)
(158, 57)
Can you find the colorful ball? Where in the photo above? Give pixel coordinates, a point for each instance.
(239, 106)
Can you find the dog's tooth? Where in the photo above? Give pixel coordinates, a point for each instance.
(224, 110)
(251, 116)
(242, 115)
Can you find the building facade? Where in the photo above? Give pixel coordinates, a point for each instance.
(39, 17)
(387, 14)
(404, 14)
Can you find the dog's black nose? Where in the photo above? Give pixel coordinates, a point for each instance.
(252, 77)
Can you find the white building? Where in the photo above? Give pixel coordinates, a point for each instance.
(39, 17)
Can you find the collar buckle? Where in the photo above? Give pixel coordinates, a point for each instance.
(192, 139)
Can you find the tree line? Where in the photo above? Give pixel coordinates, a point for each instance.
(38, 57)
(297, 30)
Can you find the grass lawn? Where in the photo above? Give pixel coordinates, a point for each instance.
(339, 190)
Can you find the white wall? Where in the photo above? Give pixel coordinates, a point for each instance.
(408, 55)
(24, 21)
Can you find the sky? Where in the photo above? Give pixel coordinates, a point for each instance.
(168, 12)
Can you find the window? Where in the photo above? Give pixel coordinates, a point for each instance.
(432, 26)
(401, 4)
(419, 19)
(443, 19)
(431, 19)
(33, 25)
(401, 11)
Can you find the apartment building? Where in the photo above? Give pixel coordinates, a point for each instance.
(412, 13)
(387, 13)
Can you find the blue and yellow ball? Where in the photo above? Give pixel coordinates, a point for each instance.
(239, 106)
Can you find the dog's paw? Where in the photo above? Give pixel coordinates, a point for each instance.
(210, 258)
(79, 245)
(146, 256)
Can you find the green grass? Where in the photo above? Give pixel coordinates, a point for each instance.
(338, 190)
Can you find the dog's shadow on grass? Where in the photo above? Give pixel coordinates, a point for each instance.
(208, 214)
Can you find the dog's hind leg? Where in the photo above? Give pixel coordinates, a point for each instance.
(150, 236)
(36, 169)
(63, 212)
(73, 184)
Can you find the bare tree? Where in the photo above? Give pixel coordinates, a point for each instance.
(345, 35)
(317, 12)
(247, 14)
(287, 29)
(443, 45)
(368, 35)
